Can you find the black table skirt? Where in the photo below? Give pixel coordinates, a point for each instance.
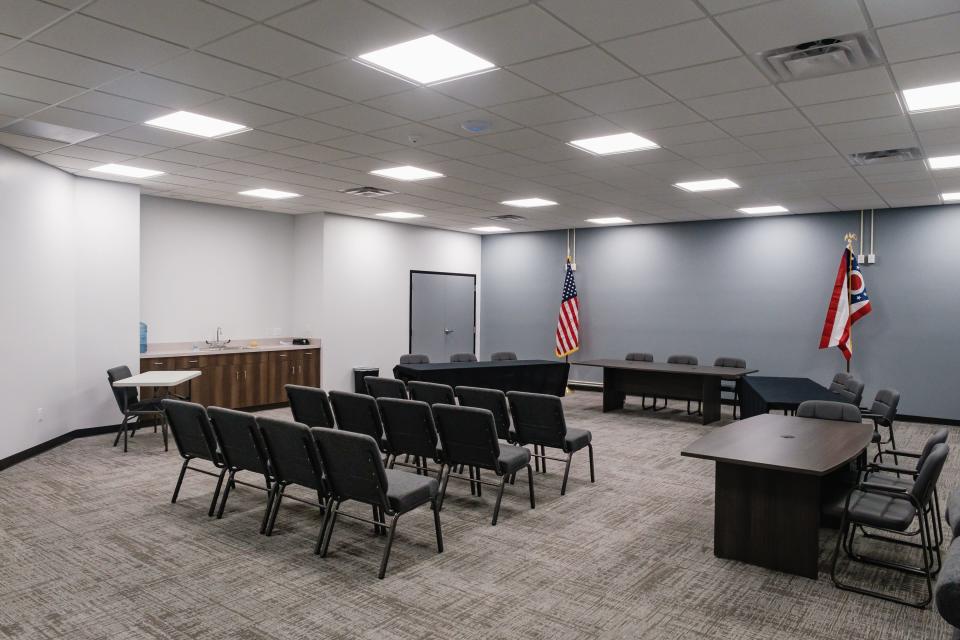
(535, 376)
(762, 394)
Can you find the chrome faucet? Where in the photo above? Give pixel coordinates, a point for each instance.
(218, 343)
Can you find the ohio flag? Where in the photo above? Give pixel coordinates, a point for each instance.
(848, 303)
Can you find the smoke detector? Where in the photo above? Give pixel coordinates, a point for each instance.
(369, 192)
(885, 156)
(820, 57)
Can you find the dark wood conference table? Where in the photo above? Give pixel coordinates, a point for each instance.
(770, 472)
(663, 380)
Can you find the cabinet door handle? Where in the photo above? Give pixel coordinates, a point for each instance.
(238, 375)
(159, 364)
(283, 355)
(191, 362)
(244, 374)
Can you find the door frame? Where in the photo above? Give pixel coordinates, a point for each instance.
(410, 303)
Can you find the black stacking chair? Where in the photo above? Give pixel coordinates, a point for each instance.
(731, 386)
(494, 401)
(130, 406)
(358, 413)
(310, 406)
(686, 359)
(409, 430)
(640, 356)
(468, 436)
(499, 356)
(385, 387)
(948, 589)
(294, 460)
(414, 358)
(538, 420)
(852, 391)
(195, 440)
(883, 507)
(463, 357)
(883, 412)
(355, 472)
(829, 410)
(839, 382)
(431, 392)
(242, 449)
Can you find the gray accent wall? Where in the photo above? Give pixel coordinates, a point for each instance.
(756, 288)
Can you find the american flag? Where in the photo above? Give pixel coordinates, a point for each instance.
(848, 303)
(568, 323)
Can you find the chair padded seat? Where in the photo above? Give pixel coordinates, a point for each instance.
(947, 592)
(513, 458)
(876, 510)
(576, 439)
(407, 491)
(953, 512)
(890, 480)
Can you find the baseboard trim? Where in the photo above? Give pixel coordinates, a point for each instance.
(26, 454)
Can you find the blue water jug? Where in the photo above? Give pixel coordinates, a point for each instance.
(143, 337)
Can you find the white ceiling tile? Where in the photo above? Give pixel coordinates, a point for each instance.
(866, 128)
(763, 122)
(185, 157)
(201, 70)
(500, 161)
(487, 89)
(95, 39)
(514, 140)
(923, 39)
(348, 27)
(799, 152)
(584, 128)
(405, 133)
(115, 107)
(699, 150)
(460, 148)
(674, 47)
(186, 22)
(361, 144)
(540, 110)
(841, 86)
(707, 79)
(306, 129)
(263, 140)
(551, 152)
(618, 96)
(434, 15)
(411, 156)
(121, 145)
(687, 133)
(79, 120)
(522, 34)
(154, 90)
(876, 143)
(291, 97)
(728, 160)
(18, 107)
(245, 113)
(24, 143)
(654, 117)
(739, 103)
(453, 123)
(275, 160)
(420, 103)
(935, 119)
(358, 118)
(31, 87)
(57, 65)
(20, 18)
(887, 12)
(271, 51)
(721, 6)
(317, 153)
(221, 149)
(792, 137)
(607, 19)
(788, 22)
(920, 73)
(353, 81)
(258, 9)
(573, 70)
(856, 109)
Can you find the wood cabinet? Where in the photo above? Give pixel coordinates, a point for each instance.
(240, 379)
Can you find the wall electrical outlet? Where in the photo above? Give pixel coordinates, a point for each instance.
(862, 259)
(871, 258)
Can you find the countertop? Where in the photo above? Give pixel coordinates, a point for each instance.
(176, 349)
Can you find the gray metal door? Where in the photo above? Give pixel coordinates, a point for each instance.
(442, 314)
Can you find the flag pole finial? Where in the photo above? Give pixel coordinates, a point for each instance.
(850, 238)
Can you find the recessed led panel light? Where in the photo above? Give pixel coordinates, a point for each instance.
(427, 60)
(195, 124)
(529, 202)
(271, 194)
(708, 185)
(617, 143)
(944, 162)
(400, 215)
(950, 197)
(610, 220)
(937, 96)
(490, 229)
(773, 208)
(127, 171)
(407, 173)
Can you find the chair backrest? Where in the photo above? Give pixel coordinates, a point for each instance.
(852, 391)
(191, 429)
(385, 387)
(493, 400)
(682, 359)
(463, 357)
(953, 512)
(357, 413)
(829, 410)
(726, 361)
(839, 381)
(241, 443)
(503, 355)
(353, 466)
(947, 591)
(885, 406)
(408, 427)
(929, 474)
(468, 436)
(293, 452)
(414, 358)
(310, 406)
(639, 356)
(121, 373)
(940, 437)
(431, 392)
(537, 418)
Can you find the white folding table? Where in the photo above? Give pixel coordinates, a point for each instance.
(155, 379)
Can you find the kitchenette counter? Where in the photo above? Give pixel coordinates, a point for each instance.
(177, 349)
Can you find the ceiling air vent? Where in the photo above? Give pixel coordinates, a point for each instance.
(47, 131)
(820, 57)
(885, 156)
(369, 192)
(508, 217)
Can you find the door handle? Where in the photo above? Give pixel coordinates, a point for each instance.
(447, 332)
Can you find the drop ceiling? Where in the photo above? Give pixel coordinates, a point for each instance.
(679, 72)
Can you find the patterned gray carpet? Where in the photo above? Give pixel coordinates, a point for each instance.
(90, 547)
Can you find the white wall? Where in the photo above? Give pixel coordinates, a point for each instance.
(64, 247)
(204, 266)
(307, 290)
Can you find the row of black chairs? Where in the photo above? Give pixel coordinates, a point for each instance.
(882, 411)
(422, 358)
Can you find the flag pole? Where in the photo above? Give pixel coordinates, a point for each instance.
(849, 238)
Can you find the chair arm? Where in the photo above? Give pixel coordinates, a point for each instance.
(893, 492)
(905, 454)
(891, 469)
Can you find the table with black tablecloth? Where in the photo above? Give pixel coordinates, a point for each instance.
(762, 394)
(535, 376)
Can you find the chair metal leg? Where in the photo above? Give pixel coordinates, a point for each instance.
(476, 472)
(323, 527)
(121, 430)
(277, 498)
(436, 525)
(183, 471)
(226, 494)
(386, 551)
(216, 492)
(496, 508)
(543, 460)
(445, 474)
(533, 499)
(536, 461)
(271, 493)
(125, 435)
(566, 474)
(593, 477)
(333, 520)
(163, 429)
